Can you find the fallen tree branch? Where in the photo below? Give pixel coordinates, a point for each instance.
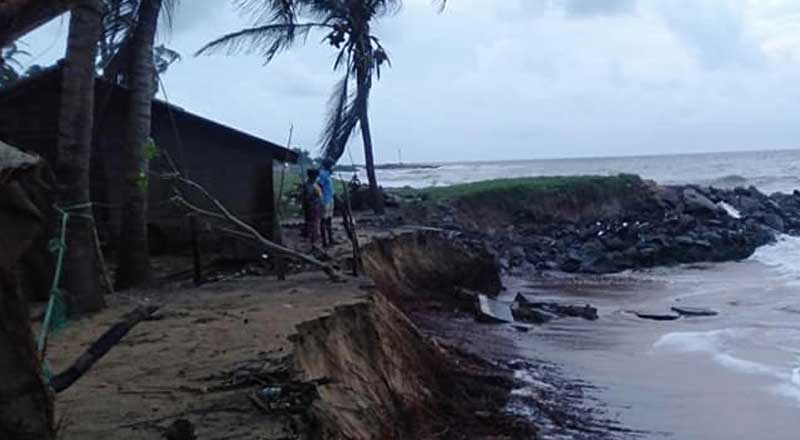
(251, 232)
(110, 338)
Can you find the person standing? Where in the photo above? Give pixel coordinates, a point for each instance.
(312, 204)
(326, 184)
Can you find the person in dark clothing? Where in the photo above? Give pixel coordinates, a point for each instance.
(312, 205)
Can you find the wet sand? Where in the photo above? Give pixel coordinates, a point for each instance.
(732, 376)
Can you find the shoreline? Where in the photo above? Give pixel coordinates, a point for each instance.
(422, 307)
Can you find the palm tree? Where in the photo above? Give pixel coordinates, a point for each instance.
(76, 120)
(281, 23)
(128, 57)
(133, 248)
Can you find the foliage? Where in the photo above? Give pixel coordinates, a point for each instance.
(279, 24)
(526, 187)
(304, 159)
(10, 65)
(163, 57)
(119, 24)
(151, 149)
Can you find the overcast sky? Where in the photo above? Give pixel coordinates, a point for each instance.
(516, 79)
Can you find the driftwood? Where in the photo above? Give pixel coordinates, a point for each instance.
(110, 338)
(245, 229)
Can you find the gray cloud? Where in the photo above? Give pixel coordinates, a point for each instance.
(519, 78)
(713, 30)
(591, 8)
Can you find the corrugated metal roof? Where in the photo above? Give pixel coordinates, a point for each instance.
(14, 159)
(53, 74)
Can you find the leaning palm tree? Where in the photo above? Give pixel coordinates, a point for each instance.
(347, 27)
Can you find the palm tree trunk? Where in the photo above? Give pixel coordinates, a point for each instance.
(133, 252)
(363, 84)
(76, 120)
(26, 406)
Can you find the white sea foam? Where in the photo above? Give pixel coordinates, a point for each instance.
(733, 212)
(789, 391)
(713, 341)
(717, 344)
(782, 257)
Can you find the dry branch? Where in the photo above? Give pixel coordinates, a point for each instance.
(225, 214)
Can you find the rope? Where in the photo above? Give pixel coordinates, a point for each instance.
(56, 315)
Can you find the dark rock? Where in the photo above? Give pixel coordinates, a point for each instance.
(598, 265)
(531, 315)
(694, 311)
(614, 243)
(668, 197)
(774, 221)
(698, 203)
(657, 316)
(180, 429)
(748, 204)
(517, 253)
(558, 310)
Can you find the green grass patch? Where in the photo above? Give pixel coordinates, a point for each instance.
(526, 187)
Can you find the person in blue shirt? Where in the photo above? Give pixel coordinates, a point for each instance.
(325, 181)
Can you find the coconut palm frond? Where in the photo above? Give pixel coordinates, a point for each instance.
(341, 56)
(342, 120)
(267, 40)
(168, 8)
(10, 64)
(379, 8)
(163, 57)
(324, 9)
(120, 21)
(269, 11)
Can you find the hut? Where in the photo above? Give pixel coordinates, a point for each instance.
(234, 166)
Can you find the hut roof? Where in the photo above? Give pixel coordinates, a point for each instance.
(13, 160)
(52, 75)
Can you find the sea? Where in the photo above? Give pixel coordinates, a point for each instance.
(726, 377)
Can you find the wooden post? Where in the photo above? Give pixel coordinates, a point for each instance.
(350, 228)
(198, 265)
(280, 260)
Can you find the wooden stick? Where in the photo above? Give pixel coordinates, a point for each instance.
(101, 261)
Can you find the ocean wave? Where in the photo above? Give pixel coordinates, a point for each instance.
(718, 343)
(710, 342)
(781, 257)
(729, 181)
